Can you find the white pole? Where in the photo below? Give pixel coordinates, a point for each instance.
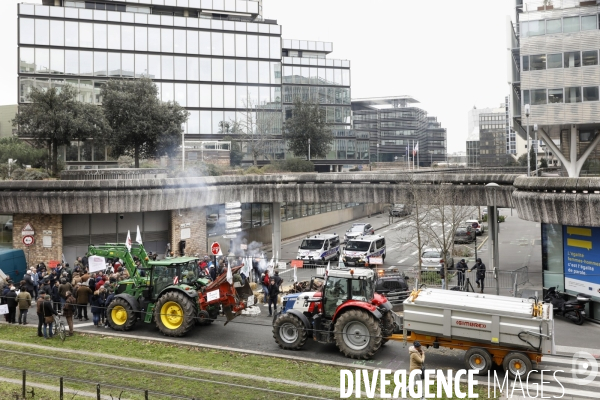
(308, 149)
(183, 151)
(418, 151)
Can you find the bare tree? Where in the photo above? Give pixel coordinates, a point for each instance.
(257, 127)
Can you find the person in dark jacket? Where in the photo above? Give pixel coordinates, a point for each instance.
(45, 286)
(29, 283)
(480, 275)
(49, 313)
(83, 298)
(103, 295)
(109, 299)
(273, 293)
(11, 301)
(40, 313)
(68, 311)
(64, 287)
(461, 268)
(55, 296)
(24, 301)
(97, 308)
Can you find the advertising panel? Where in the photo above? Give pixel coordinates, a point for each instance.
(582, 259)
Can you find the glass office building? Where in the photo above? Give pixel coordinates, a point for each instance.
(217, 58)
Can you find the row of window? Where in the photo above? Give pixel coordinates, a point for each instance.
(316, 61)
(307, 45)
(560, 95)
(322, 95)
(150, 19)
(334, 114)
(223, 5)
(316, 76)
(128, 65)
(559, 25)
(569, 59)
(140, 38)
(398, 114)
(492, 117)
(399, 124)
(492, 126)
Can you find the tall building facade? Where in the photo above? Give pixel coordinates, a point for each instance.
(394, 127)
(217, 58)
(554, 67)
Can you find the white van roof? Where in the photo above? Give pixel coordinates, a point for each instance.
(323, 236)
(367, 238)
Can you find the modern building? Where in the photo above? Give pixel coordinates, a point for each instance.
(7, 114)
(393, 128)
(218, 58)
(309, 75)
(553, 67)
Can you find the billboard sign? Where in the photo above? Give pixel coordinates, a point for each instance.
(581, 249)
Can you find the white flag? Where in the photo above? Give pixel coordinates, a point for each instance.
(327, 270)
(229, 275)
(138, 236)
(295, 276)
(128, 241)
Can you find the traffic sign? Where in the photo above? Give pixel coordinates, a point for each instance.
(27, 230)
(28, 240)
(215, 248)
(474, 225)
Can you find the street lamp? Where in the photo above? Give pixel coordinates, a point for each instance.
(308, 149)
(535, 129)
(493, 221)
(527, 110)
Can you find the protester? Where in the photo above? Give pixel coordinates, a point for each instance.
(64, 287)
(55, 296)
(103, 296)
(49, 313)
(29, 282)
(109, 299)
(265, 285)
(461, 267)
(83, 297)
(97, 308)
(480, 274)
(40, 313)
(11, 301)
(417, 358)
(24, 302)
(36, 282)
(273, 293)
(68, 311)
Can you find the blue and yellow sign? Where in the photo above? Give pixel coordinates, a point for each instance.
(581, 249)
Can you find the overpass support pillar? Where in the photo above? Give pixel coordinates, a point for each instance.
(493, 232)
(276, 229)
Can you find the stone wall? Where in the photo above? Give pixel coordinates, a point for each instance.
(193, 219)
(43, 225)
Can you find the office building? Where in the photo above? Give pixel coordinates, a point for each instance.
(553, 67)
(393, 128)
(217, 58)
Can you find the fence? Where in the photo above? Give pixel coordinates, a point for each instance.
(507, 280)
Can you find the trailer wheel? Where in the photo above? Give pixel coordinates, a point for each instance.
(516, 363)
(174, 314)
(120, 315)
(204, 318)
(289, 332)
(358, 334)
(479, 360)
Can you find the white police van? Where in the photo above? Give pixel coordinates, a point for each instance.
(319, 249)
(358, 251)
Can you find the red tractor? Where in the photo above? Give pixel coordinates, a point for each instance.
(346, 311)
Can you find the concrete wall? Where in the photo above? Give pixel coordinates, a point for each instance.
(298, 227)
(37, 253)
(193, 219)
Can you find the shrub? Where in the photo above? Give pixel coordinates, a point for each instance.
(271, 168)
(253, 171)
(298, 165)
(430, 278)
(30, 174)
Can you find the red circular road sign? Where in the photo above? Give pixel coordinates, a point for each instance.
(215, 248)
(28, 240)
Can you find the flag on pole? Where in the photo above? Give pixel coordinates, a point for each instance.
(138, 236)
(295, 276)
(416, 149)
(128, 241)
(63, 259)
(327, 270)
(229, 275)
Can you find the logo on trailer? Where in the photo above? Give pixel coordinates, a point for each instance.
(471, 324)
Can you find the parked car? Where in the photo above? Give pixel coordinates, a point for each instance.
(8, 226)
(479, 228)
(359, 229)
(464, 234)
(401, 210)
(393, 287)
(432, 259)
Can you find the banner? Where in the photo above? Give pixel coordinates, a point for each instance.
(96, 263)
(581, 249)
(3, 309)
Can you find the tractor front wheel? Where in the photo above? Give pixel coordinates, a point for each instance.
(289, 332)
(120, 315)
(174, 314)
(358, 334)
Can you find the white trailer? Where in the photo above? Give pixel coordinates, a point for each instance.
(507, 331)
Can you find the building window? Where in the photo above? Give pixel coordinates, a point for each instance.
(573, 95)
(526, 98)
(572, 59)
(538, 62)
(525, 63)
(537, 28)
(555, 95)
(590, 57)
(590, 93)
(588, 22)
(538, 96)
(553, 26)
(571, 24)
(555, 60)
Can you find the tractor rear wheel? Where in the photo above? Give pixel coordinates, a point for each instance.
(388, 327)
(120, 315)
(174, 314)
(289, 332)
(358, 334)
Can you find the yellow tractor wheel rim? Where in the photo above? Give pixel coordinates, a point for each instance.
(478, 361)
(518, 365)
(171, 315)
(119, 315)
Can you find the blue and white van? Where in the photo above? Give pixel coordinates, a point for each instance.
(319, 249)
(359, 250)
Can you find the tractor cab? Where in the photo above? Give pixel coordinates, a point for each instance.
(343, 285)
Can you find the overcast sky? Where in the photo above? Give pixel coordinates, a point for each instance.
(449, 55)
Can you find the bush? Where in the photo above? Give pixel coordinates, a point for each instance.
(271, 168)
(30, 174)
(126, 162)
(430, 278)
(501, 218)
(253, 171)
(298, 165)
